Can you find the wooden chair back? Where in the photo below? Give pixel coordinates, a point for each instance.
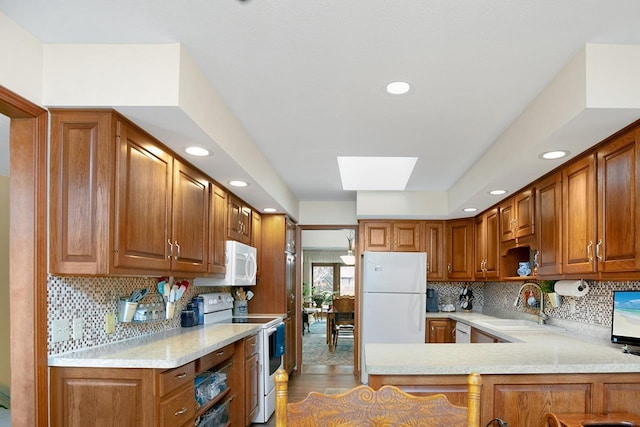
(344, 304)
(363, 406)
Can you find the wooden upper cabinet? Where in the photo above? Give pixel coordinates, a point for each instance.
(392, 236)
(377, 236)
(487, 253)
(143, 205)
(549, 225)
(256, 239)
(460, 249)
(434, 246)
(407, 236)
(239, 220)
(517, 216)
(578, 222)
(81, 192)
(190, 219)
(217, 230)
(617, 248)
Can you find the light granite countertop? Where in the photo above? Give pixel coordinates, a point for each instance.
(163, 350)
(547, 350)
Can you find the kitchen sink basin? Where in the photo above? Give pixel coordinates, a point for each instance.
(510, 324)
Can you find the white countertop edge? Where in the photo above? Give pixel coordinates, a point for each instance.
(162, 350)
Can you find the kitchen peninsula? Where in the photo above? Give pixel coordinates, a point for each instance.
(150, 380)
(526, 374)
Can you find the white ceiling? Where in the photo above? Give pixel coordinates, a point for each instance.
(306, 78)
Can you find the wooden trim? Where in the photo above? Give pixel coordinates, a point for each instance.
(27, 259)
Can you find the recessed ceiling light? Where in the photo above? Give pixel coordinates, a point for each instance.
(552, 155)
(497, 192)
(470, 209)
(238, 183)
(269, 210)
(197, 151)
(364, 173)
(398, 88)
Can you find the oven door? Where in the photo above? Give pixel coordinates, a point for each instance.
(272, 360)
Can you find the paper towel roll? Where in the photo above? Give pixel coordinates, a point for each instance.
(571, 288)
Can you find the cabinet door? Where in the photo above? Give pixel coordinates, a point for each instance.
(440, 331)
(290, 337)
(251, 378)
(239, 220)
(618, 246)
(460, 249)
(434, 246)
(578, 223)
(492, 244)
(217, 230)
(190, 219)
(524, 209)
(407, 236)
(144, 179)
(549, 225)
(81, 192)
(256, 239)
(481, 247)
(377, 236)
(507, 217)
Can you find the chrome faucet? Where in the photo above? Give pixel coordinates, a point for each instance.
(542, 317)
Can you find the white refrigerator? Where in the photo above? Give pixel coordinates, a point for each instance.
(394, 299)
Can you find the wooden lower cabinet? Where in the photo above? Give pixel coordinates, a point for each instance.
(440, 331)
(477, 336)
(251, 378)
(523, 399)
(152, 397)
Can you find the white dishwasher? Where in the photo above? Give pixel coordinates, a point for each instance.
(463, 333)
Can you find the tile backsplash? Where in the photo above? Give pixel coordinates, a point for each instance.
(92, 298)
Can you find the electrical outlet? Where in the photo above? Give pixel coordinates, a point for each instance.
(110, 323)
(60, 330)
(572, 305)
(78, 326)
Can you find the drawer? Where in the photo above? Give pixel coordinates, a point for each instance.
(174, 378)
(250, 346)
(215, 357)
(178, 409)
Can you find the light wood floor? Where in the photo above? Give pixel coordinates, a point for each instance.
(317, 378)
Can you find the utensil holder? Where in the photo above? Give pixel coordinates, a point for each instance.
(170, 310)
(240, 308)
(126, 310)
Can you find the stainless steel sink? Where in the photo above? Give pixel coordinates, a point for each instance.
(510, 324)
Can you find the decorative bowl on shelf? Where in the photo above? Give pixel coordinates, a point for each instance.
(524, 269)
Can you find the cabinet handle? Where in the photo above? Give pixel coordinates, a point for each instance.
(180, 376)
(598, 250)
(170, 249)
(589, 250)
(177, 250)
(220, 353)
(449, 267)
(181, 411)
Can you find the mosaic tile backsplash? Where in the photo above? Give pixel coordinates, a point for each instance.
(92, 298)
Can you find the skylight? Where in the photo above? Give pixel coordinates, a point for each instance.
(375, 173)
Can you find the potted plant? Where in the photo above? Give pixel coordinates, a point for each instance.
(547, 287)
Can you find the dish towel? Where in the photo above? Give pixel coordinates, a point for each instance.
(279, 350)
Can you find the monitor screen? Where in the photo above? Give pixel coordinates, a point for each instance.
(625, 323)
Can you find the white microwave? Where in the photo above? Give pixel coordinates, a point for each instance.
(241, 267)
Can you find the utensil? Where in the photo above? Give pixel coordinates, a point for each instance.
(249, 295)
(138, 294)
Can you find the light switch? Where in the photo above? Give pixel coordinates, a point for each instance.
(60, 330)
(78, 326)
(110, 323)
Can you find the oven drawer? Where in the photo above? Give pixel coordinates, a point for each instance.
(174, 378)
(215, 357)
(250, 346)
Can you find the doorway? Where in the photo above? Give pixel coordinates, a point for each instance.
(322, 275)
(27, 258)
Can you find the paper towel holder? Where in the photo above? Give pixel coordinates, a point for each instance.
(571, 288)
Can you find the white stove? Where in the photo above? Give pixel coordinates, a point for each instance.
(218, 308)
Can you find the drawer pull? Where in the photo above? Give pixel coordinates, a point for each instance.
(180, 376)
(220, 353)
(181, 411)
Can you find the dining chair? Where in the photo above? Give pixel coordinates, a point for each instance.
(343, 319)
(364, 406)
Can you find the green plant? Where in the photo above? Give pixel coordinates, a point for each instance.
(547, 285)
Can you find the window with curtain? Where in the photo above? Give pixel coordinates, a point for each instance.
(336, 278)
